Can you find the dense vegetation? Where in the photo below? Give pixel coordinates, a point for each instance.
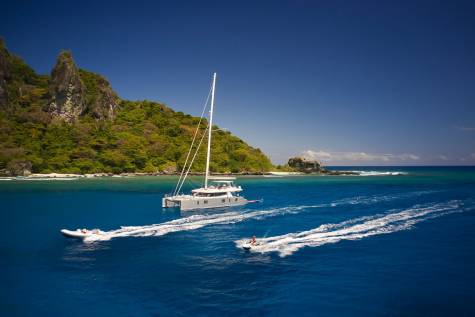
(143, 136)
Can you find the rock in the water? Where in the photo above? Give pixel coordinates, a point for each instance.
(304, 165)
(67, 90)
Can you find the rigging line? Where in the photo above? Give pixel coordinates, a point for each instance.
(194, 183)
(192, 142)
(193, 159)
(188, 154)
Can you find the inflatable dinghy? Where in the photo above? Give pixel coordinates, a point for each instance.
(249, 245)
(80, 233)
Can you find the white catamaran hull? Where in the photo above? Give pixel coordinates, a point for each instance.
(189, 202)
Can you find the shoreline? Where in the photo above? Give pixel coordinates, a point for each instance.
(70, 176)
(94, 175)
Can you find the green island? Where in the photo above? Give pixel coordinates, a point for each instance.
(73, 122)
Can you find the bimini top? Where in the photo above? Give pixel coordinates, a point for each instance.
(223, 178)
(217, 189)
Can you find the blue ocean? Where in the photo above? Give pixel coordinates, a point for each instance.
(384, 244)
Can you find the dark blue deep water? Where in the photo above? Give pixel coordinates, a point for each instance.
(333, 246)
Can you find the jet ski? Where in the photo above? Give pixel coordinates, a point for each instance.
(80, 233)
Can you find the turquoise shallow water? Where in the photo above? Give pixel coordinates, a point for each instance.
(333, 246)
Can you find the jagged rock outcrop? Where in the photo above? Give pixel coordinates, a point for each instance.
(304, 165)
(76, 92)
(67, 94)
(66, 89)
(102, 101)
(106, 103)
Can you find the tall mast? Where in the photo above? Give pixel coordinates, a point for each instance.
(210, 127)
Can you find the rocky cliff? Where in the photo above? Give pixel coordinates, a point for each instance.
(68, 93)
(76, 92)
(101, 100)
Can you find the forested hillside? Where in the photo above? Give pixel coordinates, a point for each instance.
(72, 121)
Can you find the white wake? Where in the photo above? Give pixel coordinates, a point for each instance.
(199, 221)
(189, 223)
(378, 173)
(352, 229)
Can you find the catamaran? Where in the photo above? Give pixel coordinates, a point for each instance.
(217, 191)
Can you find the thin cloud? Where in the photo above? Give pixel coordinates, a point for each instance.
(407, 157)
(469, 158)
(465, 128)
(335, 157)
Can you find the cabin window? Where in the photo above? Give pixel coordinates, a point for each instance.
(197, 202)
(205, 201)
(235, 199)
(223, 200)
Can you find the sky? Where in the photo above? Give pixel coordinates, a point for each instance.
(345, 82)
